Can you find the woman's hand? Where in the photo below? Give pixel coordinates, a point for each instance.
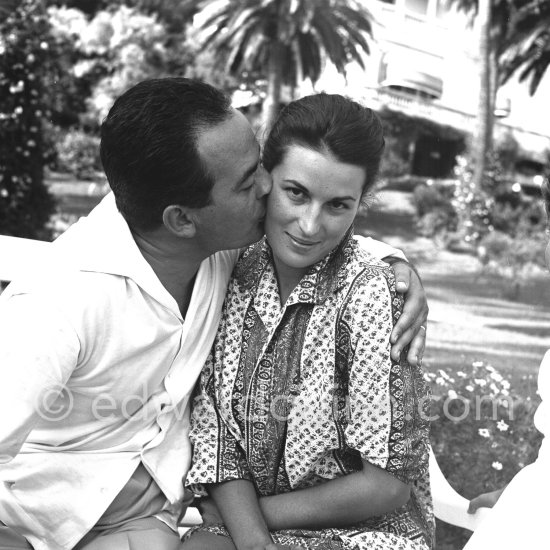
(411, 327)
(209, 512)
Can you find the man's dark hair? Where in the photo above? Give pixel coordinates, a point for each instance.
(149, 147)
(323, 122)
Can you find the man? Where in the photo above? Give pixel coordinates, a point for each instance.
(100, 352)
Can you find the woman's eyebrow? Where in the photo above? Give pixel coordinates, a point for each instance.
(306, 190)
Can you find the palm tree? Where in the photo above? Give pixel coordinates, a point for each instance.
(527, 52)
(285, 40)
(494, 26)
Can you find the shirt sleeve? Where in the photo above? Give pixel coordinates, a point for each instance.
(38, 352)
(217, 454)
(388, 400)
(379, 249)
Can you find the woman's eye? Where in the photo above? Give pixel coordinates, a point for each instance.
(339, 205)
(294, 192)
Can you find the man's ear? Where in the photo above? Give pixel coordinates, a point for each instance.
(180, 221)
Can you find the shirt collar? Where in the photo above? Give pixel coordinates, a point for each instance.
(321, 280)
(103, 243)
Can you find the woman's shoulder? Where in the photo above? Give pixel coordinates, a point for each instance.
(363, 268)
(250, 265)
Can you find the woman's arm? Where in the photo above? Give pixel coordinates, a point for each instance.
(384, 424)
(338, 502)
(239, 508)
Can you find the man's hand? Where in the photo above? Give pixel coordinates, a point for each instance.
(485, 500)
(411, 326)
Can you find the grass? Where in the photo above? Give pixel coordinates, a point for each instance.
(470, 317)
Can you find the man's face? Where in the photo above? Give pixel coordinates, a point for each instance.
(235, 217)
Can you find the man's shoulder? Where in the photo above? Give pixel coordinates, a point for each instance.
(66, 289)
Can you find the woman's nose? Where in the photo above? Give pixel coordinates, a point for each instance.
(310, 222)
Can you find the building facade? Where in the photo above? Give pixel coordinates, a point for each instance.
(424, 65)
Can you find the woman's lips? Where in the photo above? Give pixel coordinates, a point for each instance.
(301, 242)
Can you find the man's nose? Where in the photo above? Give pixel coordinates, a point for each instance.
(263, 182)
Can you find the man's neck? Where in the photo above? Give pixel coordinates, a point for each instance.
(174, 261)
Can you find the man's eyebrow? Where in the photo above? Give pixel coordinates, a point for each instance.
(305, 190)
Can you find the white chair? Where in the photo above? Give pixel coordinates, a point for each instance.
(20, 256)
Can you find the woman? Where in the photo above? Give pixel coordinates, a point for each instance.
(306, 433)
(520, 515)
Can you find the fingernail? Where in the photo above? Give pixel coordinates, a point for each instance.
(400, 285)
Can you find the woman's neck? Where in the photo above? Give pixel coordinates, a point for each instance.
(287, 278)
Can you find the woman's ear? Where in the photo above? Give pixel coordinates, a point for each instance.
(179, 220)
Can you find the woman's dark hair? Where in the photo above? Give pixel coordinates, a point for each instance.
(149, 150)
(328, 122)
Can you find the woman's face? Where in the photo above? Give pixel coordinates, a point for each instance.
(312, 204)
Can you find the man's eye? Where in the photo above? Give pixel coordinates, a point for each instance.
(248, 185)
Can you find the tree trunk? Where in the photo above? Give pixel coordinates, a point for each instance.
(484, 124)
(270, 107)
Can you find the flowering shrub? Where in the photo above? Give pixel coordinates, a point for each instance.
(472, 205)
(436, 217)
(26, 46)
(117, 48)
(78, 154)
(482, 434)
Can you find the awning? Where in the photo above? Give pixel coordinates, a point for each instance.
(414, 80)
(414, 72)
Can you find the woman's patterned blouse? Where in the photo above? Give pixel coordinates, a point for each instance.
(293, 395)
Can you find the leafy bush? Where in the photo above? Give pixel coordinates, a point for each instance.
(78, 154)
(482, 434)
(436, 216)
(27, 59)
(513, 258)
(117, 48)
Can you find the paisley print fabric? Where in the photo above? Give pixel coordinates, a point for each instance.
(297, 394)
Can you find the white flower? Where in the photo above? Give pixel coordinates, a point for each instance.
(502, 426)
(497, 465)
(480, 382)
(18, 110)
(469, 388)
(17, 88)
(452, 394)
(484, 432)
(496, 377)
(477, 364)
